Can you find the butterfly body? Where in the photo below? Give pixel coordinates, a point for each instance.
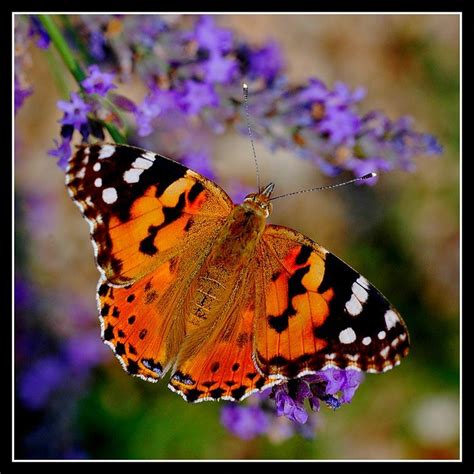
(195, 285)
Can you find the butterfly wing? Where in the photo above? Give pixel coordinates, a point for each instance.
(223, 367)
(142, 208)
(152, 224)
(316, 311)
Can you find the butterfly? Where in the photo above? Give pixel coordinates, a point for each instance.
(197, 286)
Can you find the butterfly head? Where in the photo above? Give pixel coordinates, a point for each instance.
(260, 202)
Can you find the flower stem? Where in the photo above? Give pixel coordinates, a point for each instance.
(73, 65)
(56, 70)
(117, 137)
(58, 40)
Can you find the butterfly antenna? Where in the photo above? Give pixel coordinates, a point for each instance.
(329, 186)
(245, 88)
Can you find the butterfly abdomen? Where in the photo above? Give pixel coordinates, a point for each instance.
(223, 273)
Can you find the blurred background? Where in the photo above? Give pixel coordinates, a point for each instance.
(73, 400)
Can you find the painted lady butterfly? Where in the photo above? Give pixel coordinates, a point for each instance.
(194, 284)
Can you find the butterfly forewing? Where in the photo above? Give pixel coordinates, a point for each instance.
(141, 207)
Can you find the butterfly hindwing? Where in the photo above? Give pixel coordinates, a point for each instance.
(319, 312)
(140, 207)
(223, 367)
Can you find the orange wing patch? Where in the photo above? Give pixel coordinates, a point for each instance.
(141, 207)
(223, 368)
(290, 274)
(136, 321)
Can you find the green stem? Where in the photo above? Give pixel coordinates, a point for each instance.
(74, 67)
(58, 40)
(56, 70)
(117, 137)
(69, 27)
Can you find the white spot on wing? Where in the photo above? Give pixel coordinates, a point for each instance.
(381, 335)
(98, 182)
(96, 166)
(109, 195)
(353, 306)
(142, 163)
(384, 352)
(360, 292)
(106, 151)
(132, 175)
(330, 356)
(149, 156)
(347, 336)
(354, 357)
(402, 337)
(391, 319)
(366, 341)
(363, 282)
(81, 173)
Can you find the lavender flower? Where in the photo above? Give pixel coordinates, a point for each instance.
(75, 111)
(211, 37)
(266, 62)
(341, 126)
(84, 350)
(40, 380)
(199, 161)
(332, 386)
(155, 104)
(21, 93)
(97, 45)
(246, 422)
(197, 96)
(37, 31)
(219, 68)
(63, 148)
(98, 82)
(337, 380)
(184, 66)
(291, 407)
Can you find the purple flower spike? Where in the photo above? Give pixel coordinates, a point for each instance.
(290, 407)
(199, 161)
(198, 95)
(98, 82)
(344, 381)
(20, 94)
(75, 111)
(211, 37)
(340, 125)
(83, 351)
(219, 68)
(246, 422)
(97, 45)
(154, 105)
(315, 91)
(37, 31)
(266, 62)
(62, 152)
(38, 383)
